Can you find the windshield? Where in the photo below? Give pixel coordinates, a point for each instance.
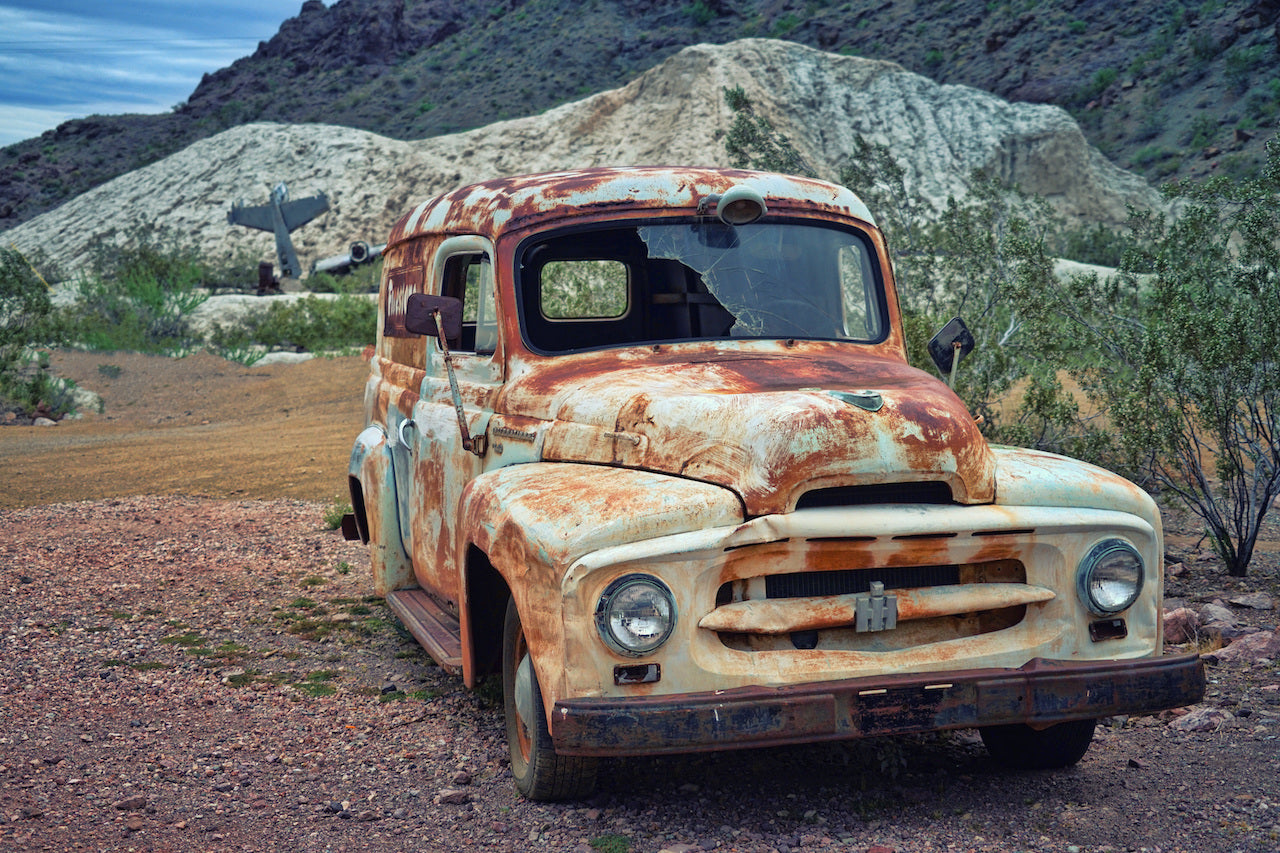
(690, 281)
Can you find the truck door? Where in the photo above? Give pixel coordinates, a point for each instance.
(440, 466)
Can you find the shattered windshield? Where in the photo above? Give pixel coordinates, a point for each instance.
(682, 281)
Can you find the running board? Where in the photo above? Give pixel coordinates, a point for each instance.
(431, 625)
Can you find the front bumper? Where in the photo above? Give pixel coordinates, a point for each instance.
(1041, 693)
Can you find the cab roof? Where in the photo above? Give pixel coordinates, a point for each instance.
(494, 206)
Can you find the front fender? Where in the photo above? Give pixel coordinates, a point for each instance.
(370, 465)
(534, 520)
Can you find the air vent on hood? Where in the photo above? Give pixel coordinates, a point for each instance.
(877, 493)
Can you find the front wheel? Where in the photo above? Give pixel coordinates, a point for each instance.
(540, 773)
(1026, 748)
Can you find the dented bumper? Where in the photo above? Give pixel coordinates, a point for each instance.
(1041, 693)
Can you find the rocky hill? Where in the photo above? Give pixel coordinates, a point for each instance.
(1161, 87)
(674, 114)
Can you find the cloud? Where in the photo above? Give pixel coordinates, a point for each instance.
(63, 59)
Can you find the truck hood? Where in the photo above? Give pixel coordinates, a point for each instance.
(768, 426)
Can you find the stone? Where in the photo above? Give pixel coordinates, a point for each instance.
(1259, 647)
(43, 422)
(1181, 625)
(1202, 719)
(461, 778)
(131, 803)
(134, 823)
(1253, 601)
(1216, 613)
(452, 797)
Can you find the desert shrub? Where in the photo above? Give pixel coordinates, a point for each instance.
(360, 279)
(313, 324)
(753, 143)
(1241, 64)
(1092, 244)
(27, 321)
(139, 293)
(1181, 351)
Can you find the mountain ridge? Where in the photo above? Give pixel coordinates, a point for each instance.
(674, 114)
(1165, 88)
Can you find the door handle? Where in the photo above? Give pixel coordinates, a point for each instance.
(407, 422)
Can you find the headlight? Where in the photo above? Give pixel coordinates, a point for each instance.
(1110, 577)
(636, 614)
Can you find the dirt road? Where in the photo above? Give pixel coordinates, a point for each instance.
(204, 668)
(199, 425)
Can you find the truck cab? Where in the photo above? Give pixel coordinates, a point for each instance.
(645, 442)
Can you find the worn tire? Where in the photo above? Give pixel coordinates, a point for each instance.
(1026, 748)
(540, 773)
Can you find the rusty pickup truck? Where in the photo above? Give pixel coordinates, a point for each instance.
(645, 442)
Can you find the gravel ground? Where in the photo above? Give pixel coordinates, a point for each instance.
(191, 674)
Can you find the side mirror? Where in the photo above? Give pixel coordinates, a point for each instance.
(419, 315)
(953, 342)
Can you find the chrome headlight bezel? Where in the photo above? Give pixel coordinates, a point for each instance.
(1110, 577)
(630, 590)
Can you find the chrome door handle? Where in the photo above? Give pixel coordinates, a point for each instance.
(407, 422)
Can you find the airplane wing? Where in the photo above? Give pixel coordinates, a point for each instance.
(252, 217)
(301, 211)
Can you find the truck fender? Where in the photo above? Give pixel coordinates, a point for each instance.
(533, 521)
(373, 499)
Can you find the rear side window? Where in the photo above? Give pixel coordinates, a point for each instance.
(583, 289)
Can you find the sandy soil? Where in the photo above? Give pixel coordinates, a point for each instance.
(203, 668)
(199, 425)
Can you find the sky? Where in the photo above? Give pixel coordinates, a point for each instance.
(65, 59)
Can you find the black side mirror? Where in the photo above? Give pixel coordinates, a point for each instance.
(419, 315)
(953, 342)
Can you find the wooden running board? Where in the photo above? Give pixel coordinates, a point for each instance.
(431, 625)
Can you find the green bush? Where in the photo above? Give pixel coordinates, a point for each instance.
(139, 293)
(1095, 244)
(312, 324)
(700, 12)
(1180, 351)
(27, 321)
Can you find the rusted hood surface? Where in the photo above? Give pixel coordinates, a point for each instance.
(766, 425)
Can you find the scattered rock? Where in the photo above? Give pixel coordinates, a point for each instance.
(1259, 647)
(1253, 601)
(132, 803)
(1202, 720)
(1216, 613)
(1181, 625)
(452, 797)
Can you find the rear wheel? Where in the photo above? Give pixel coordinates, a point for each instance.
(540, 773)
(1026, 748)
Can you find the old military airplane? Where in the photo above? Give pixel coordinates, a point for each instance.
(281, 216)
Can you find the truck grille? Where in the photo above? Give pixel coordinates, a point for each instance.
(822, 587)
(803, 584)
